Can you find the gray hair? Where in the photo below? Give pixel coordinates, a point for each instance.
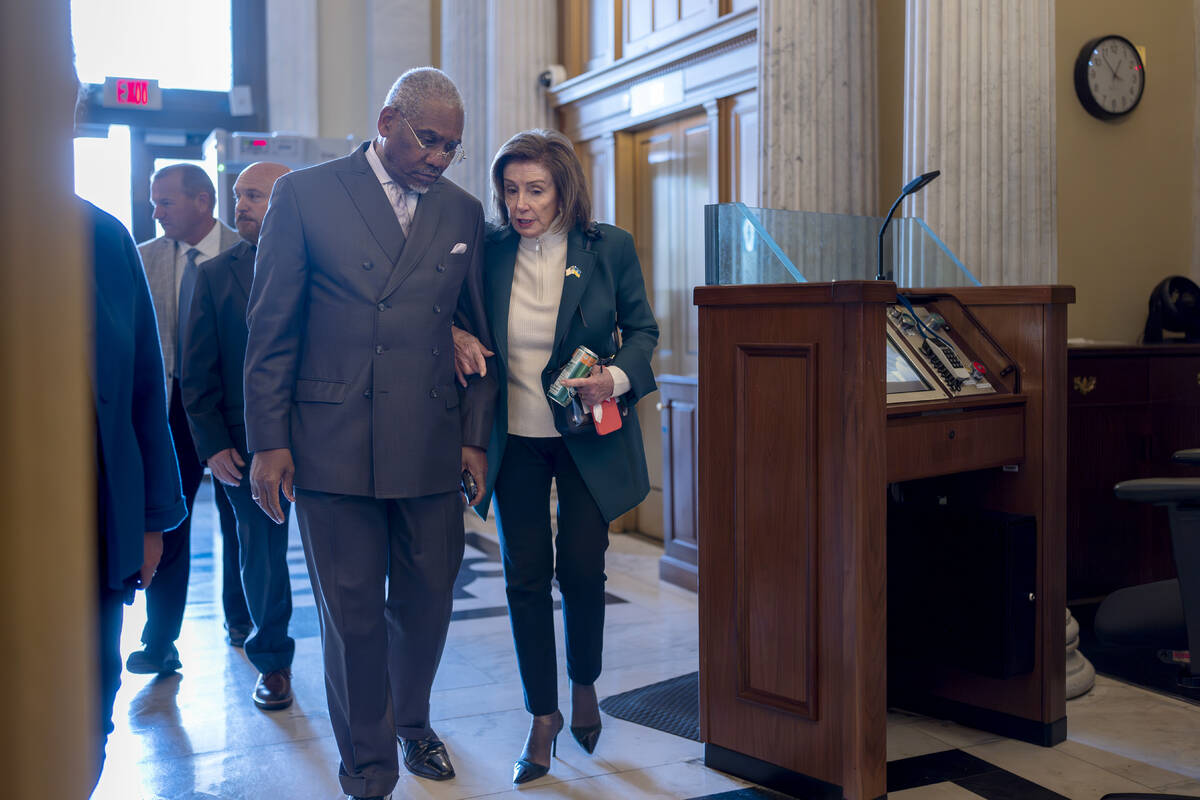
(420, 87)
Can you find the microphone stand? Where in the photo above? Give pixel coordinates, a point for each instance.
(912, 187)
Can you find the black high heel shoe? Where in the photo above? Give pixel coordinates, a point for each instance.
(526, 770)
(583, 702)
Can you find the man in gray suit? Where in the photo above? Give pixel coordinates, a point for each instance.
(352, 412)
(184, 199)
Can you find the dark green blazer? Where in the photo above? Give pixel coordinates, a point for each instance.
(608, 294)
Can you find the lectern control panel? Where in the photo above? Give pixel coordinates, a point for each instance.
(927, 360)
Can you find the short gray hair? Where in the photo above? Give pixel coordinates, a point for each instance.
(420, 87)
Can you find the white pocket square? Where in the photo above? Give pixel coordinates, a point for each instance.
(461, 247)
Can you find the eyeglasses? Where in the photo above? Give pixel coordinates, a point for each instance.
(451, 154)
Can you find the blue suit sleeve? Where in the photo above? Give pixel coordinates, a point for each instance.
(635, 319)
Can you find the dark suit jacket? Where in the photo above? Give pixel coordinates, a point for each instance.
(139, 487)
(609, 293)
(350, 361)
(214, 351)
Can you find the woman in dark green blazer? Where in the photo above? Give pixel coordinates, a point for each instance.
(555, 280)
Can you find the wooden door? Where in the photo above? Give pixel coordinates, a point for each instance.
(671, 187)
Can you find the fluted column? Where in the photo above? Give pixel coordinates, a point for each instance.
(979, 105)
(292, 74)
(817, 90)
(494, 51)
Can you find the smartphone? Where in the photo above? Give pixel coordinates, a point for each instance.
(610, 417)
(468, 486)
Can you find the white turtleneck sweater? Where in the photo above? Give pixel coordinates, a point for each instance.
(532, 314)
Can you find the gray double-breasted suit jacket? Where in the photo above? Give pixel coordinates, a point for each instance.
(350, 360)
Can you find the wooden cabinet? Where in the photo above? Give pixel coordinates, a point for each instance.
(680, 425)
(1129, 409)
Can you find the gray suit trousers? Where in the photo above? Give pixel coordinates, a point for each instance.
(383, 574)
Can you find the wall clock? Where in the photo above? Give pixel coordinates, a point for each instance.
(1109, 77)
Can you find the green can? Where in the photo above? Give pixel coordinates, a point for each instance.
(581, 363)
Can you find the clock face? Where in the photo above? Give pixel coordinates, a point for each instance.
(1109, 77)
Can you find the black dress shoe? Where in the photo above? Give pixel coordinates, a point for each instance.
(150, 662)
(237, 634)
(427, 758)
(273, 692)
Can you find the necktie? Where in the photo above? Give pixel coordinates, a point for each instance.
(187, 287)
(401, 205)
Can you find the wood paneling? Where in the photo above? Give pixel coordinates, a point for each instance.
(652, 23)
(923, 446)
(680, 426)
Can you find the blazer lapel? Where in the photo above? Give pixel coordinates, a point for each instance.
(242, 266)
(420, 237)
(579, 261)
(498, 276)
(372, 203)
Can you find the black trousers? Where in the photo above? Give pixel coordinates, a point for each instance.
(522, 495)
(167, 595)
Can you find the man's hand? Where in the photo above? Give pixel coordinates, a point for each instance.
(474, 460)
(470, 357)
(271, 471)
(225, 466)
(595, 388)
(152, 548)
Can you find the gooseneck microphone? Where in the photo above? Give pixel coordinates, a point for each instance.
(912, 187)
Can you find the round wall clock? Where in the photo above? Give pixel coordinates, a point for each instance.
(1109, 77)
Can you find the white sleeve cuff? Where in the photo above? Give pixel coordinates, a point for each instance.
(620, 381)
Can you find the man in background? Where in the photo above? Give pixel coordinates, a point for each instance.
(184, 199)
(212, 351)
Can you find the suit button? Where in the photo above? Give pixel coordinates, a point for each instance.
(367, 394)
(433, 393)
(378, 349)
(437, 309)
(367, 265)
(382, 307)
(441, 267)
(435, 350)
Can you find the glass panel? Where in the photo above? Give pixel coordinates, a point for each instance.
(185, 44)
(761, 245)
(102, 171)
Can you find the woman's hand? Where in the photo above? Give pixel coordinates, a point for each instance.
(595, 388)
(469, 355)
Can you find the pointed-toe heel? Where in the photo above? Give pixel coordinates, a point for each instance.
(587, 736)
(526, 771)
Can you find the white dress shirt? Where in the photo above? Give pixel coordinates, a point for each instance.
(209, 247)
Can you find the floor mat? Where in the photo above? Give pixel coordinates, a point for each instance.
(671, 706)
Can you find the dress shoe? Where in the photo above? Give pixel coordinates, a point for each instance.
(150, 662)
(236, 635)
(427, 758)
(273, 692)
(541, 741)
(585, 716)
(372, 797)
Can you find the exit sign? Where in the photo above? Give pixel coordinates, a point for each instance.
(132, 93)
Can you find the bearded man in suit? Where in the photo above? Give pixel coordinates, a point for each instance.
(184, 199)
(213, 352)
(352, 412)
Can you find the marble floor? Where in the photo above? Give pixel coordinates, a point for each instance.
(196, 735)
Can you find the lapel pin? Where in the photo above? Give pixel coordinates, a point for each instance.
(573, 270)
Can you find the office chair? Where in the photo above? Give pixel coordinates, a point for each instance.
(1164, 614)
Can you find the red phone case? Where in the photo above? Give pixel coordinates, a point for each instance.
(611, 417)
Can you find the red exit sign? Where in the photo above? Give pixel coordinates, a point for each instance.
(132, 93)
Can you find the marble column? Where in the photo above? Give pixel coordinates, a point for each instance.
(495, 51)
(817, 106)
(979, 105)
(292, 83)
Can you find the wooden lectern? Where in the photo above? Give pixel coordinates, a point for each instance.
(797, 447)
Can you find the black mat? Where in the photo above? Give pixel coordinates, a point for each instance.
(1140, 667)
(671, 706)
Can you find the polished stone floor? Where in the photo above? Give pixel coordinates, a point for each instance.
(196, 735)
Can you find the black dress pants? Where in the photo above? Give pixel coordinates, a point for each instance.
(167, 595)
(527, 546)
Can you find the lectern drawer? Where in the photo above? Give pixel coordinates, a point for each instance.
(940, 443)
